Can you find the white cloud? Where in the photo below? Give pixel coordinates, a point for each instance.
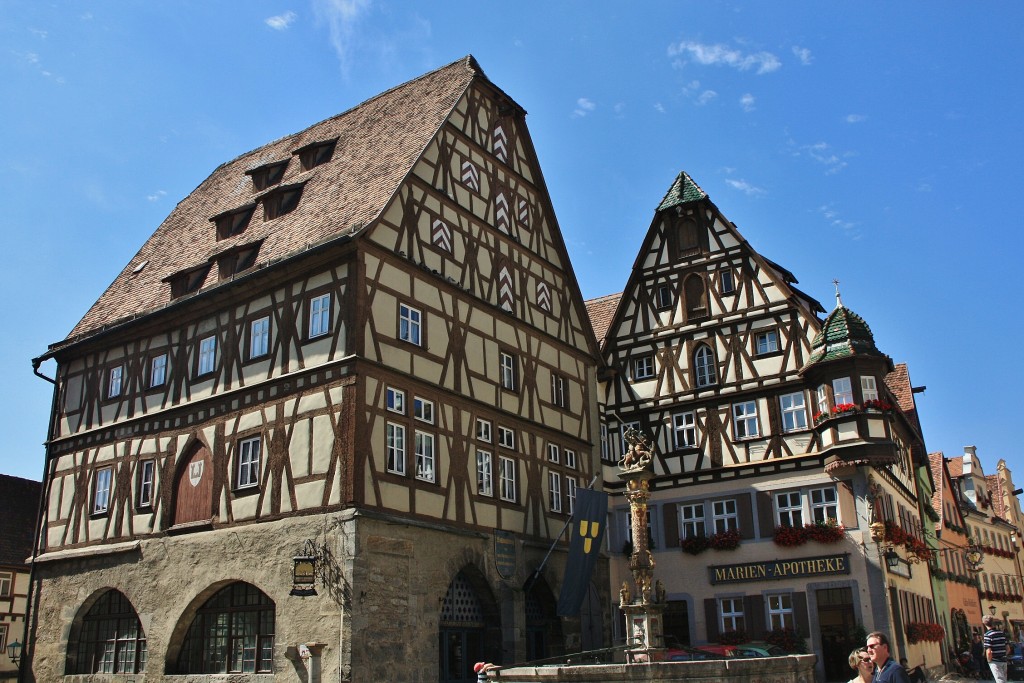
(659, 107)
(833, 218)
(723, 55)
(157, 196)
(39, 33)
(281, 21)
(342, 18)
(855, 118)
(583, 107)
(803, 54)
(747, 102)
(706, 96)
(619, 108)
(745, 187)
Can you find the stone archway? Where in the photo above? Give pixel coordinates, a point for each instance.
(469, 629)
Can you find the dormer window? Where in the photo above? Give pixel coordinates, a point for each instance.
(281, 201)
(236, 260)
(267, 175)
(233, 222)
(187, 281)
(315, 154)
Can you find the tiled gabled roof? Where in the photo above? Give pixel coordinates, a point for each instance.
(843, 334)
(683, 191)
(935, 464)
(378, 142)
(601, 311)
(956, 467)
(995, 491)
(18, 510)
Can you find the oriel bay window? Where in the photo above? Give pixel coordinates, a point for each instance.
(842, 391)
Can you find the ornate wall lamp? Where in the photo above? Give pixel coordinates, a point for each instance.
(14, 652)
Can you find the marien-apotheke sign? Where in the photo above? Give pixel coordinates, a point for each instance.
(825, 565)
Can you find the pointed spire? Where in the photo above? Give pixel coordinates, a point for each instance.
(839, 301)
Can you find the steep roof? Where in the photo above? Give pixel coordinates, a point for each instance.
(935, 464)
(995, 492)
(378, 143)
(898, 383)
(683, 191)
(956, 466)
(843, 334)
(19, 509)
(601, 311)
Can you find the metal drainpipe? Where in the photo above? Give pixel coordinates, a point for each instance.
(31, 614)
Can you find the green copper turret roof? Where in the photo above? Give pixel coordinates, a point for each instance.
(843, 334)
(683, 191)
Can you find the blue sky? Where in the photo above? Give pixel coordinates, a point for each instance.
(875, 143)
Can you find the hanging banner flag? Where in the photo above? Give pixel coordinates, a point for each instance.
(584, 546)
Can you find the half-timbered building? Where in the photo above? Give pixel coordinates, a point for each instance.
(332, 414)
(779, 438)
(19, 506)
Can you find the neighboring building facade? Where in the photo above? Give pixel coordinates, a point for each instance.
(956, 577)
(985, 503)
(362, 344)
(20, 507)
(764, 419)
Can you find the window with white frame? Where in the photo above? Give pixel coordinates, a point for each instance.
(824, 504)
(728, 282)
(684, 429)
(704, 366)
(605, 454)
(114, 377)
(507, 478)
(794, 411)
(731, 610)
(424, 456)
(102, 480)
(319, 315)
(554, 491)
(396, 448)
(6, 584)
(423, 409)
(144, 489)
(484, 473)
(767, 342)
(789, 509)
(395, 400)
(157, 370)
(554, 454)
(409, 324)
(207, 355)
(506, 437)
(744, 417)
(483, 430)
(508, 371)
(780, 611)
(259, 337)
(822, 400)
(559, 392)
(842, 391)
(643, 367)
(248, 462)
(691, 520)
(570, 494)
(724, 516)
(570, 458)
(868, 388)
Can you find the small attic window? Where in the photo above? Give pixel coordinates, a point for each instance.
(267, 175)
(236, 260)
(233, 222)
(315, 154)
(281, 201)
(187, 281)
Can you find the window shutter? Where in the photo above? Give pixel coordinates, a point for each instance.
(745, 516)
(753, 612)
(803, 624)
(765, 514)
(670, 516)
(711, 619)
(847, 504)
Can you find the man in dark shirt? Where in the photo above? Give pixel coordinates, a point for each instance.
(995, 648)
(887, 669)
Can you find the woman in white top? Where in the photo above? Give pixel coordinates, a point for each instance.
(860, 661)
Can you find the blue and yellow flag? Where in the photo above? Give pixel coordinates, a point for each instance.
(584, 546)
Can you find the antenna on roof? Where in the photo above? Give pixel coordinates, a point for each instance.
(839, 301)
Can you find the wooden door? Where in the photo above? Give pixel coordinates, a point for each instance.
(193, 488)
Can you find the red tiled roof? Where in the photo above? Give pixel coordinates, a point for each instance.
(995, 490)
(18, 511)
(935, 464)
(601, 311)
(956, 466)
(378, 143)
(898, 382)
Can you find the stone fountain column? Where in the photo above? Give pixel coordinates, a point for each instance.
(645, 634)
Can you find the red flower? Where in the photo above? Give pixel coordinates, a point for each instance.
(790, 536)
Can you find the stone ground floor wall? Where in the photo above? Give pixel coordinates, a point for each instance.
(791, 669)
(376, 616)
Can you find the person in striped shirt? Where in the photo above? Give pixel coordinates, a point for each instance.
(995, 648)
